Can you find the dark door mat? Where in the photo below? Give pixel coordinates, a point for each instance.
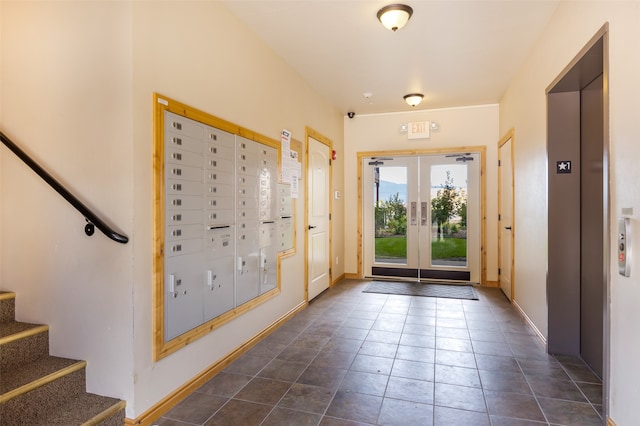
(450, 291)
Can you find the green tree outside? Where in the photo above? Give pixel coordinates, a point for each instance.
(446, 204)
(391, 217)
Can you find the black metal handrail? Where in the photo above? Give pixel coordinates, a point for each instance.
(91, 218)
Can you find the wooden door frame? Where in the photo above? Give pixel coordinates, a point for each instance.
(311, 133)
(508, 136)
(482, 150)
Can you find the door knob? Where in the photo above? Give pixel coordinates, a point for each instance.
(508, 228)
(311, 227)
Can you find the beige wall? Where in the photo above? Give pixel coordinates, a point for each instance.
(458, 127)
(197, 53)
(524, 107)
(76, 91)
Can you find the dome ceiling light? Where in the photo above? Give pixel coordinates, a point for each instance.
(413, 99)
(395, 16)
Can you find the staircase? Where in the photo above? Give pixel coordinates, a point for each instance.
(39, 389)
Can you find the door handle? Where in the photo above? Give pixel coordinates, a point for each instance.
(312, 227)
(414, 213)
(508, 228)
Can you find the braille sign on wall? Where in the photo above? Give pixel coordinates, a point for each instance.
(563, 167)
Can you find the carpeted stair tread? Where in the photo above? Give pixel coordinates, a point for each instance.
(7, 306)
(82, 408)
(13, 327)
(41, 367)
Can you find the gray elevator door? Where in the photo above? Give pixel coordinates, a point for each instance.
(578, 229)
(592, 280)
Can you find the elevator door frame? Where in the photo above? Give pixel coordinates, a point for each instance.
(564, 284)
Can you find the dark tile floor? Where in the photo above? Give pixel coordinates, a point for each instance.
(354, 358)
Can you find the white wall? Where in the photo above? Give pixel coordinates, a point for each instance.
(458, 127)
(76, 92)
(524, 107)
(66, 97)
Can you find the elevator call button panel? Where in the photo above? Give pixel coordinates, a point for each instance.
(624, 246)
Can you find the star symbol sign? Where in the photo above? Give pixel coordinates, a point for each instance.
(563, 166)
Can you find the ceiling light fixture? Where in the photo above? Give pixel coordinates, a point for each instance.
(395, 16)
(413, 99)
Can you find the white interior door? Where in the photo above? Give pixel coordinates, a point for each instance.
(318, 210)
(422, 217)
(505, 257)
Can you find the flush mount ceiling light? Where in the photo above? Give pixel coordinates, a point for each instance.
(413, 99)
(395, 16)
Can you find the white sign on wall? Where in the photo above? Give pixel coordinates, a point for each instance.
(418, 130)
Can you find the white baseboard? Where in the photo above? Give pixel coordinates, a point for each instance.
(535, 329)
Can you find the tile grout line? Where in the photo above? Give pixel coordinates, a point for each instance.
(477, 369)
(577, 386)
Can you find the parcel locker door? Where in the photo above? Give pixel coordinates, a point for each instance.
(247, 265)
(220, 263)
(268, 268)
(183, 280)
(247, 278)
(218, 291)
(267, 240)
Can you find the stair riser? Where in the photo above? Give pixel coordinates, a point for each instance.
(22, 351)
(115, 420)
(32, 407)
(7, 310)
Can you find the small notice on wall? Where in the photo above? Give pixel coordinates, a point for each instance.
(295, 173)
(285, 143)
(291, 168)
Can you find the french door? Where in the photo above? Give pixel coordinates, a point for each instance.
(422, 217)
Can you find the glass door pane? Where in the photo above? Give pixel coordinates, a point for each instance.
(390, 213)
(448, 203)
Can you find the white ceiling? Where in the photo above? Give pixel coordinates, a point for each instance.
(456, 53)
